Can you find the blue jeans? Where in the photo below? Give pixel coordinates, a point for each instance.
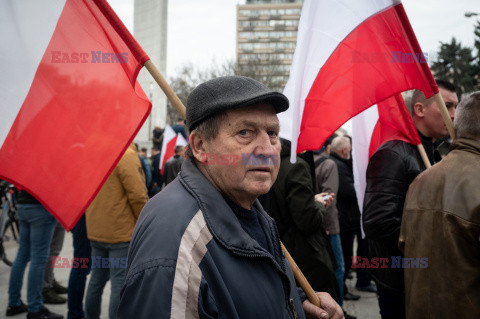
(36, 231)
(78, 276)
(340, 271)
(101, 273)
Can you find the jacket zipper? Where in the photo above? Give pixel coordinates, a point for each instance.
(292, 306)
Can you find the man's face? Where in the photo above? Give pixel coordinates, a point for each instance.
(434, 122)
(347, 151)
(249, 135)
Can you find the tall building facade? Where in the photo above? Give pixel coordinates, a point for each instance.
(266, 39)
(150, 30)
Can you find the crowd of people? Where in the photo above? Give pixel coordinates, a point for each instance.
(209, 244)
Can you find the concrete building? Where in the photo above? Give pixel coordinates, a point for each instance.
(266, 39)
(150, 30)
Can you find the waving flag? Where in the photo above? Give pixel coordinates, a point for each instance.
(349, 56)
(69, 101)
(389, 120)
(170, 140)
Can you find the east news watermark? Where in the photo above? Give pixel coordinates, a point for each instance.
(243, 159)
(392, 262)
(389, 57)
(96, 262)
(94, 57)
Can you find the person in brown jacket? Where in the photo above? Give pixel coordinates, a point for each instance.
(440, 232)
(110, 219)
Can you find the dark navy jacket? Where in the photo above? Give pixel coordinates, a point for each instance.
(190, 258)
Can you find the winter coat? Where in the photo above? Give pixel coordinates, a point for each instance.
(112, 215)
(326, 173)
(390, 171)
(441, 233)
(347, 203)
(190, 258)
(300, 219)
(172, 168)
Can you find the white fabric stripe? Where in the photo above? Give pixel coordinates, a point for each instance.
(181, 140)
(168, 135)
(188, 275)
(362, 129)
(26, 27)
(323, 25)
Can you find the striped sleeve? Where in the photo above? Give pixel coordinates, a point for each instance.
(188, 276)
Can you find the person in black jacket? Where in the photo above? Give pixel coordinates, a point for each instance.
(390, 171)
(173, 165)
(157, 179)
(300, 222)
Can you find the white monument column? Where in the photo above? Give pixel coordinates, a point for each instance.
(150, 30)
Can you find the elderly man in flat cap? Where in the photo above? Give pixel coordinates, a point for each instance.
(204, 247)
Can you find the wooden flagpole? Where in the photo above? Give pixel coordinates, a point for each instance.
(302, 281)
(424, 156)
(173, 98)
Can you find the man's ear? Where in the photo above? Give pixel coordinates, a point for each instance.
(419, 109)
(197, 144)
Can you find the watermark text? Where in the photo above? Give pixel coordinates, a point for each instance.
(392, 262)
(89, 57)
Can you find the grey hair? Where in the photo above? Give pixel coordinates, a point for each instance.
(467, 117)
(340, 142)
(208, 129)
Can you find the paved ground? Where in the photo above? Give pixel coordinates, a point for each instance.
(61, 275)
(365, 308)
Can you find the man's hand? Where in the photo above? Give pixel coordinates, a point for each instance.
(320, 198)
(330, 309)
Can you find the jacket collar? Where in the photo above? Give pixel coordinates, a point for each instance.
(348, 162)
(220, 218)
(467, 145)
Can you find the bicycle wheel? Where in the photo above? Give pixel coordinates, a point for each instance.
(12, 223)
(4, 224)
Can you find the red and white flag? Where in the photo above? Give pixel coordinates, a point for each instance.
(389, 120)
(69, 101)
(347, 59)
(170, 140)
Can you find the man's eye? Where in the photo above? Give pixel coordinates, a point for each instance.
(272, 133)
(243, 132)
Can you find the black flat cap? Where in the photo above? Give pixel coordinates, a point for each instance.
(226, 93)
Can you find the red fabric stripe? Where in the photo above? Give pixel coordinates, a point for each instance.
(361, 72)
(169, 152)
(394, 123)
(77, 119)
(416, 48)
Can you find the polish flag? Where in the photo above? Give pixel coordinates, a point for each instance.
(348, 58)
(170, 140)
(389, 120)
(70, 104)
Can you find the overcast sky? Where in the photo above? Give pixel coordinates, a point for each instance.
(202, 31)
